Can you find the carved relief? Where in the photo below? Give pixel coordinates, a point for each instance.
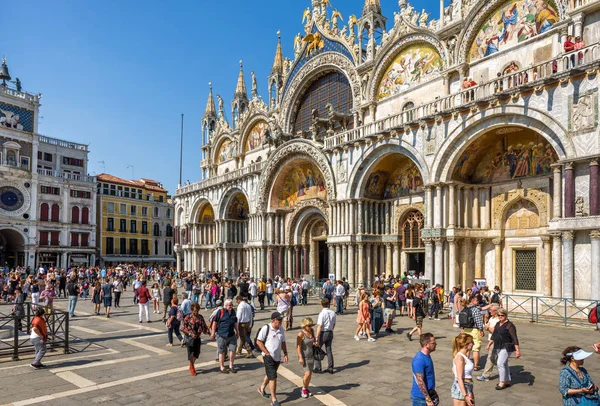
(286, 154)
(583, 112)
(503, 201)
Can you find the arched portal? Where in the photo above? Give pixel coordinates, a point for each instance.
(308, 237)
(413, 249)
(12, 248)
(200, 236)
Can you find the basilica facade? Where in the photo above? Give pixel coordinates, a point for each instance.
(465, 148)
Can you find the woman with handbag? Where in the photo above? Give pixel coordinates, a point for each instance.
(575, 384)
(193, 327)
(173, 323)
(505, 341)
(306, 346)
(377, 309)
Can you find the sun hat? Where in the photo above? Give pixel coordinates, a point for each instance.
(579, 355)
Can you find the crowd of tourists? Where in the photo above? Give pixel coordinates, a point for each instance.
(232, 303)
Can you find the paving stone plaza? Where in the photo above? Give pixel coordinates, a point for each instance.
(118, 361)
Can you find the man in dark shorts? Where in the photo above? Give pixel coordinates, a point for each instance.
(271, 341)
(225, 328)
(106, 293)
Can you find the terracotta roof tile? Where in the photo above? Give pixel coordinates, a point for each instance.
(148, 184)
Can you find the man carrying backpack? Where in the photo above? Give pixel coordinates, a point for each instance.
(225, 328)
(271, 341)
(471, 322)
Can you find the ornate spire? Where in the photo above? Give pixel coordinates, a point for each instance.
(240, 89)
(210, 104)
(278, 62)
(371, 5)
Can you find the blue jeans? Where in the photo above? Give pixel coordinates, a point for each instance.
(72, 304)
(418, 401)
(339, 304)
(208, 304)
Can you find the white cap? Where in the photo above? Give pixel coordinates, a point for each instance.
(579, 355)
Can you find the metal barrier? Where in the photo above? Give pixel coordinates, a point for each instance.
(15, 331)
(544, 309)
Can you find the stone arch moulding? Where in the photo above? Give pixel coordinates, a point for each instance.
(247, 126)
(195, 207)
(226, 199)
(502, 202)
(384, 61)
(500, 116)
(477, 16)
(285, 154)
(218, 142)
(401, 211)
(303, 212)
(20, 232)
(373, 154)
(324, 62)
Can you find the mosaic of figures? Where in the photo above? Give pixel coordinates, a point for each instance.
(522, 214)
(300, 181)
(505, 154)
(238, 208)
(207, 214)
(394, 177)
(412, 66)
(514, 22)
(227, 151)
(256, 136)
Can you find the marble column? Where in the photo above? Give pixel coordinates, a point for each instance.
(465, 268)
(290, 262)
(478, 259)
(476, 209)
(438, 207)
(467, 201)
(428, 258)
(429, 207)
(375, 263)
(360, 218)
(439, 258)
(297, 253)
(395, 258)
(459, 217)
(306, 259)
(451, 207)
(595, 243)
(331, 258)
(452, 263)
(369, 270)
(388, 259)
(497, 261)
(568, 264)
(280, 253)
(178, 259)
(338, 263)
(557, 195)
(351, 259)
(547, 288)
(361, 264)
(352, 218)
(594, 207)
(345, 261)
(569, 193)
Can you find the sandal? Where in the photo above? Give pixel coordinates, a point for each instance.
(262, 392)
(233, 370)
(224, 371)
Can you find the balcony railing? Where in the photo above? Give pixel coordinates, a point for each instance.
(238, 173)
(66, 175)
(21, 95)
(62, 143)
(531, 76)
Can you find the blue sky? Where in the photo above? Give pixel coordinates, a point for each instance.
(118, 74)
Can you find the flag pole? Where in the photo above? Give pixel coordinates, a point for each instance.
(181, 155)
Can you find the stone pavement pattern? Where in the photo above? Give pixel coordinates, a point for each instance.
(121, 362)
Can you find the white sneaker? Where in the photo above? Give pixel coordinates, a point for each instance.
(371, 340)
(455, 325)
(357, 338)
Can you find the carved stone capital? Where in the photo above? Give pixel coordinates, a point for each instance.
(557, 235)
(480, 241)
(427, 241)
(497, 241)
(452, 240)
(595, 234)
(545, 239)
(594, 162)
(569, 166)
(568, 235)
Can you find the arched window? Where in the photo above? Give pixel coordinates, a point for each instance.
(155, 247)
(170, 249)
(168, 213)
(169, 231)
(411, 230)
(408, 106)
(156, 212)
(332, 88)
(156, 230)
(55, 214)
(75, 215)
(85, 216)
(166, 252)
(44, 210)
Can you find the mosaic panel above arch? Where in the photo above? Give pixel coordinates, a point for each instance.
(227, 151)
(503, 154)
(413, 65)
(300, 180)
(394, 176)
(207, 214)
(511, 23)
(256, 136)
(238, 207)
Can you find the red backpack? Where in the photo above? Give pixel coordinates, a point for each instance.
(593, 315)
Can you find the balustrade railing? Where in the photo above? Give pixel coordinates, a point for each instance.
(21, 95)
(65, 175)
(62, 143)
(252, 168)
(505, 83)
